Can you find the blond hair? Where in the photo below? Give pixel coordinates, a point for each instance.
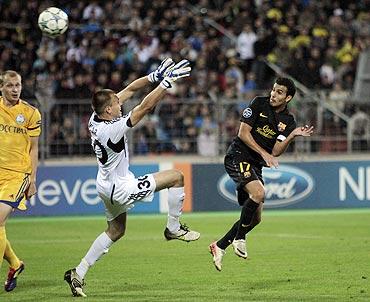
(9, 73)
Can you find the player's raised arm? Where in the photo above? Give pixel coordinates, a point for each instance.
(180, 70)
(280, 147)
(126, 93)
(156, 76)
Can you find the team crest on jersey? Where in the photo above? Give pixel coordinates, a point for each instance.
(281, 127)
(247, 174)
(20, 119)
(247, 112)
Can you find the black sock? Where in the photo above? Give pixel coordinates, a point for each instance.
(225, 241)
(249, 228)
(249, 209)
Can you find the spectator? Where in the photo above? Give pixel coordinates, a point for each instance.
(316, 43)
(81, 89)
(207, 144)
(244, 46)
(93, 12)
(359, 127)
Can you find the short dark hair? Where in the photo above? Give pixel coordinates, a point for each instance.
(288, 83)
(101, 99)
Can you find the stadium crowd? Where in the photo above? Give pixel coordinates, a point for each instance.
(110, 43)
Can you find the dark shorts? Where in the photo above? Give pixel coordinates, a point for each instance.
(242, 171)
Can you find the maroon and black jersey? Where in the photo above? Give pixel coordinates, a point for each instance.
(267, 125)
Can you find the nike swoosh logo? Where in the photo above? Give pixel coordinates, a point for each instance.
(117, 147)
(262, 115)
(244, 225)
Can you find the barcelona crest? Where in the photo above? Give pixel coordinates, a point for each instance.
(281, 126)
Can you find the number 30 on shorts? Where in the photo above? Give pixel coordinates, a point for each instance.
(143, 182)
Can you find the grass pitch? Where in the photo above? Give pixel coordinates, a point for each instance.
(294, 256)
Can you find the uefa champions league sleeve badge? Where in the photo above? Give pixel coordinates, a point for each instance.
(247, 113)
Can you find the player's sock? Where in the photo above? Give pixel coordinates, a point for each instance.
(225, 241)
(249, 228)
(176, 197)
(82, 268)
(2, 243)
(249, 208)
(99, 247)
(10, 256)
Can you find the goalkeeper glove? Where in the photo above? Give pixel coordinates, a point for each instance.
(161, 71)
(180, 70)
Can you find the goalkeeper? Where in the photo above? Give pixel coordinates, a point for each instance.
(117, 186)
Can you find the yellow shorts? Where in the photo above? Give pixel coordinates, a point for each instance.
(12, 188)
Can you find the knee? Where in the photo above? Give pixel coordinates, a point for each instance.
(116, 232)
(179, 178)
(258, 195)
(118, 235)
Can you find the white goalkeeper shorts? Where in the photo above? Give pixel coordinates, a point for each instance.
(121, 196)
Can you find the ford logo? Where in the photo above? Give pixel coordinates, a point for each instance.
(284, 186)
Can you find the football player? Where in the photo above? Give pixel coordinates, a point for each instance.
(265, 131)
(20, 128)
(117, 186)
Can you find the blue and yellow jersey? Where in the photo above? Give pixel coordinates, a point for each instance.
(17, 124)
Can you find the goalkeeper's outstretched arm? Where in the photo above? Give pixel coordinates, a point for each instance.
(156, 76)
(128, 92)
(151, 100)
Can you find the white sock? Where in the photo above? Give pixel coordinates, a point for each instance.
(99, 247)
(175, 201)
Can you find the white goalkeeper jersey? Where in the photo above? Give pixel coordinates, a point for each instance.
(108, 139)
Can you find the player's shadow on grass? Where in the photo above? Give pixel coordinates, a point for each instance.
(34, 284)
(135, 292)
(27, 290)
(262, 284)
(52, 285)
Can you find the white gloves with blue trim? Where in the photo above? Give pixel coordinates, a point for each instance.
(175, 72)
(159, 74)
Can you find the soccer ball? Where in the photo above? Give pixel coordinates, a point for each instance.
(53, 21)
